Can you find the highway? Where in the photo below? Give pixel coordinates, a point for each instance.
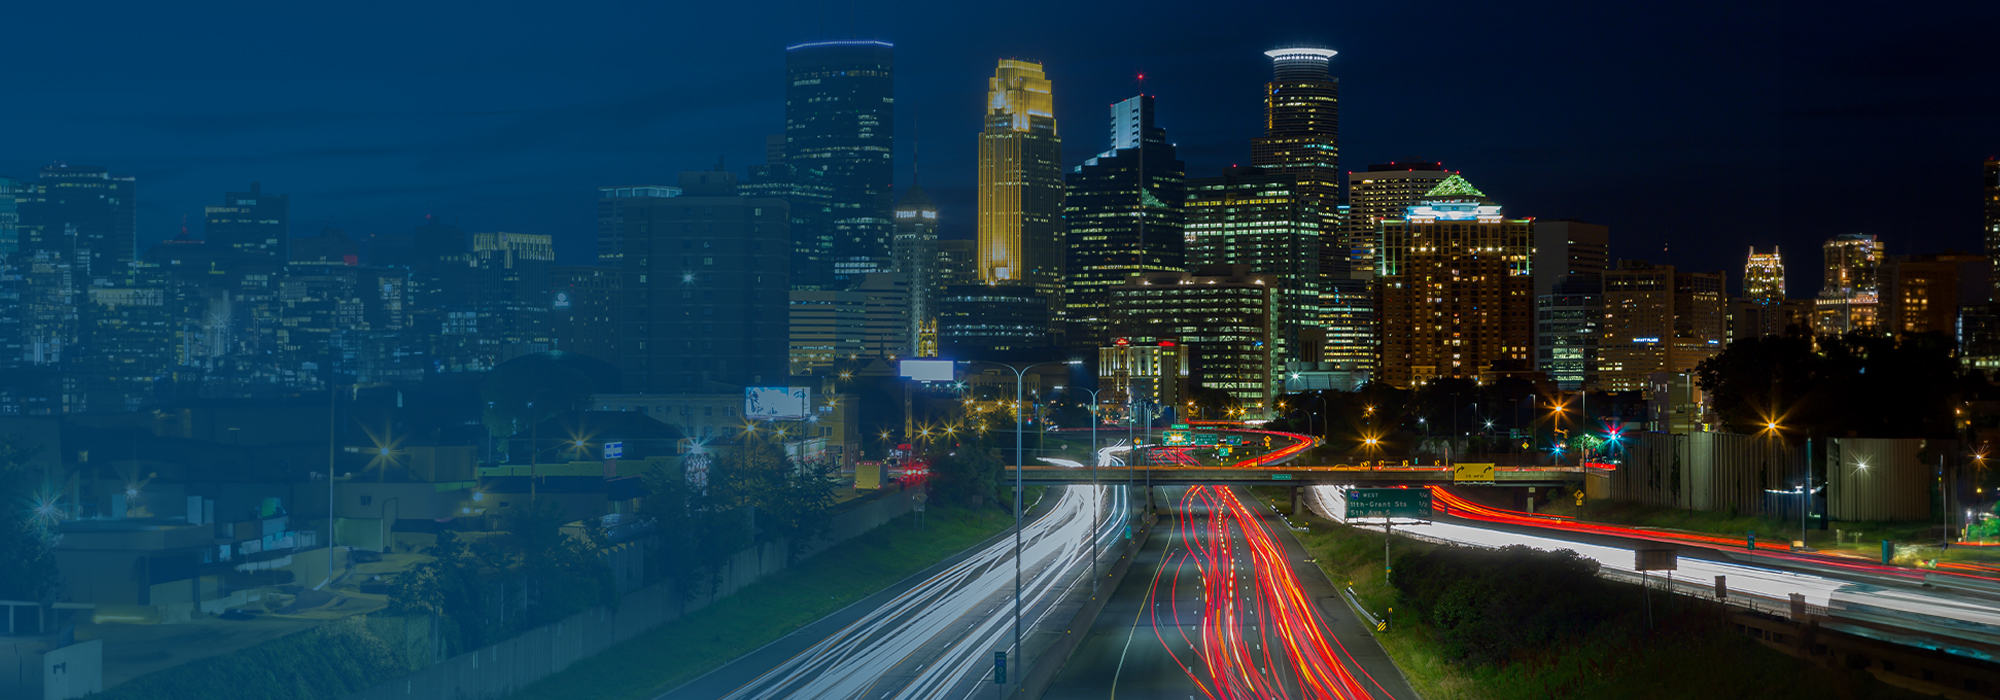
(932, 636)
(1959, 624)
(1221, 604)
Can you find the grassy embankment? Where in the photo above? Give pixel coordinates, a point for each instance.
(1691, 653)
(683, 649)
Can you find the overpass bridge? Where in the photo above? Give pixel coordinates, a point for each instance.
(1294, 475)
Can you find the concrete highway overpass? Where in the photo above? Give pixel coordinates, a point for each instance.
(1284, 475)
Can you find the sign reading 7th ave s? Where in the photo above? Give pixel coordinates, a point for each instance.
(1389, 503)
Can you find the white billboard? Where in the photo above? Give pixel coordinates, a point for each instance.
(927, 370)
(776, 402)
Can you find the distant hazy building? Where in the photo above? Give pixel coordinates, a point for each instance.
(840, 118)
(916, 255)
(583, 310)
(957, 262)
(867, 321)
(1764, 277)
(1564, 248)
(1658, 320)
(1259, 218)
(1020, 181)
(1115, 227)
(1226, 319)
(1456, 289)
(1849, 298)
(1752, 319)
(254, 226)
(10, 217)
(331, 246)
(1924, 293)
(705, 278)
(610, 222)
(84, 214)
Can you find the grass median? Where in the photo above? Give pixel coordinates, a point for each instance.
(681, 650)
(1691, 652)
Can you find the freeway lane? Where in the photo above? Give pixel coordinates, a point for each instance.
(927, 638)
(1222, 605)
(1963, 625)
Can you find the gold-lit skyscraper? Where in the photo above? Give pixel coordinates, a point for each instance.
(1764, 277)
(1020, 181)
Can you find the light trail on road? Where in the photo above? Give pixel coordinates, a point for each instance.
(1250, 591)
(939, 635)
(1963, 618)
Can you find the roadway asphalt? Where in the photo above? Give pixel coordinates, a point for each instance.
(930, 635)
(1161, 636)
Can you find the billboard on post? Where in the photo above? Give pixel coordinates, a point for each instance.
(927, 370)
(776, 402)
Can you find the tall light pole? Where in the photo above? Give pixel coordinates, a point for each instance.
(1095, 501)
(1020, 373)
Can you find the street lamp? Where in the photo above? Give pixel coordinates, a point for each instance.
(1020, 374)
(1095, 515)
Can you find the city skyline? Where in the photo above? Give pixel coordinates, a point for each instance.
(518, 147)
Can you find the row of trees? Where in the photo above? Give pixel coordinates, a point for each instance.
(25, 545)
(488, 587)
(1858, 384)
(708, 510)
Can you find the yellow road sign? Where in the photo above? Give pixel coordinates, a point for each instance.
(1467, 471)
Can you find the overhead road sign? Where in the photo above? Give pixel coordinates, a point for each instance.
(1389, 503)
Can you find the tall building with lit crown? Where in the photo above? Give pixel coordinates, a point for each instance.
(1117, 228)
(916, 254)
(1257, 217)
(1992, 181)
(1456, 289)
(1764, 277)
(840, 120)
(1658, 320)
(1849, 298)
(1020, 182)
(1302, 138)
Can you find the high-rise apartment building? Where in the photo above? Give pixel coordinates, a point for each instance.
(978, 321)
(1456, 289)
(1924, 293)
(1224, 317)
(10, 217)
(705, 282)
(1764, 277)
(1118, 227)
(252, 227)
(957, 262)
(1020, 181)
(583, 310)
(870, 320)
(84, 214)
(840, 119)
(916, 255)
(1564, 248)
(1257, 217)
(1658, 320)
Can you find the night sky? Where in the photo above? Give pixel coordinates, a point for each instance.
(1715, 127)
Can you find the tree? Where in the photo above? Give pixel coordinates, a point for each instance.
(522, 393)
(26, 547)
(793, 500)
(1858, 384)
(966, 476)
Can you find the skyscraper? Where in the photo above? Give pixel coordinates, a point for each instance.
(1020, 181)
(916, 253)
(1849, 299)
(1116, 229)
(1302, 138)
(1658, 320)
(1226, 314)
(1384, 191)
(1993, 217)
(840, 119)
(1456, 288)
(1564, 247)
(810, 200)
(1764, 277)
(705, 281)
(10, 217)
(84, 214)
(252, 226)
(1257, 217)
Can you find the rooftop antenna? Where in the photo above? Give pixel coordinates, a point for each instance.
(916, 149)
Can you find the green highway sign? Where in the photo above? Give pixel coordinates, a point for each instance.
(1281, 477)
(1178, 437)
(1179, 426)
(1204, 438)
(1389, 503)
